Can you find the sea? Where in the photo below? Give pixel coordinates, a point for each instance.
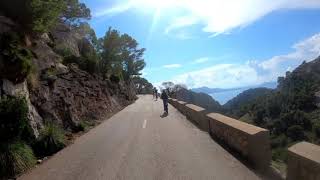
(225, 96)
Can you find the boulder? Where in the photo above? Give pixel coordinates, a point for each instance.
(46, 57)
(21, 90)
(66, 39)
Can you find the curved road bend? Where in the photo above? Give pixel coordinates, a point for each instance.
(138, 144)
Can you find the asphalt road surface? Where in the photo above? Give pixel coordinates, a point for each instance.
(138, 144)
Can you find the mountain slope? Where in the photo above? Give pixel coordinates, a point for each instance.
(200, 99)
(290, 112)
(236, 107)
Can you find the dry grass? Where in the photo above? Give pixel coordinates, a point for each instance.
(15, 158)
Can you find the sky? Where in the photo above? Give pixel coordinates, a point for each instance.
(215, 43)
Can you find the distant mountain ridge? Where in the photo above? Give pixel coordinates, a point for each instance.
(207, 90)
(235, 106)
(224, 95)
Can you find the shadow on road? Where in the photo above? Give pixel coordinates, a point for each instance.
(164, 115)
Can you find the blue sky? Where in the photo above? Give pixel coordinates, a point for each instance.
(215, 43)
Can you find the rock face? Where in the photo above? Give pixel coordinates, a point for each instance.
(64, 94)
(74, 95)
(66, 39)
(10, 89)
(68, 95)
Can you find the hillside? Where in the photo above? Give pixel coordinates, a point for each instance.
(290, 112)
(200, 99)
(237, 106)
(57, 78)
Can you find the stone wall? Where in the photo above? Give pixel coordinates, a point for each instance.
(250, 141)
(197, 115)
(303, 162)
(180, 105)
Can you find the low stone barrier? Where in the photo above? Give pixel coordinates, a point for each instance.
(303, 162)
(173, 102)
(250, 141)
(180, 105)
(198, 115)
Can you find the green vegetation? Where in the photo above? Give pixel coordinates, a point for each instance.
(13, 122)
(289, 112)
(42, 17)
(36, 17)
(85, 125)
(237, 107)
(15, 157)
(115, 57)
(317, 129)
(142, 85)
(16, 63)
(280, 166)
(120, 55)
(51, 140)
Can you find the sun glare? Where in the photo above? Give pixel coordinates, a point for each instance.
(158, 4)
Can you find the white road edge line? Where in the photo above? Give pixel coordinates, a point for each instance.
(144, 124)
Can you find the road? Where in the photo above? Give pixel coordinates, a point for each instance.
(138, 144)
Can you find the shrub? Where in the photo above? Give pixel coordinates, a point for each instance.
(114, 79)
(15, 158)
(279, 141)
(279, 154)
(13, 121)
(16, 61)
(51, 140)
(296, 133)
(317, 129)
(88, 64)
(63, 51)
(43, 18)
(82, 126)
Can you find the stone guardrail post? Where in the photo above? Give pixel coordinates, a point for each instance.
(250, 141)
(198, 115)
(303, 162)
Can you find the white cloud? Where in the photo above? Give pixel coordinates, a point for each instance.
(222, 16)
(227, 75)
(181, 22)
(183, 35)
(119, 8)
(169, 66)
(304, 50)
(201, 60)
(252, 72)
(215, 16)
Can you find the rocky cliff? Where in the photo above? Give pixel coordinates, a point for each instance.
(62, 93)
